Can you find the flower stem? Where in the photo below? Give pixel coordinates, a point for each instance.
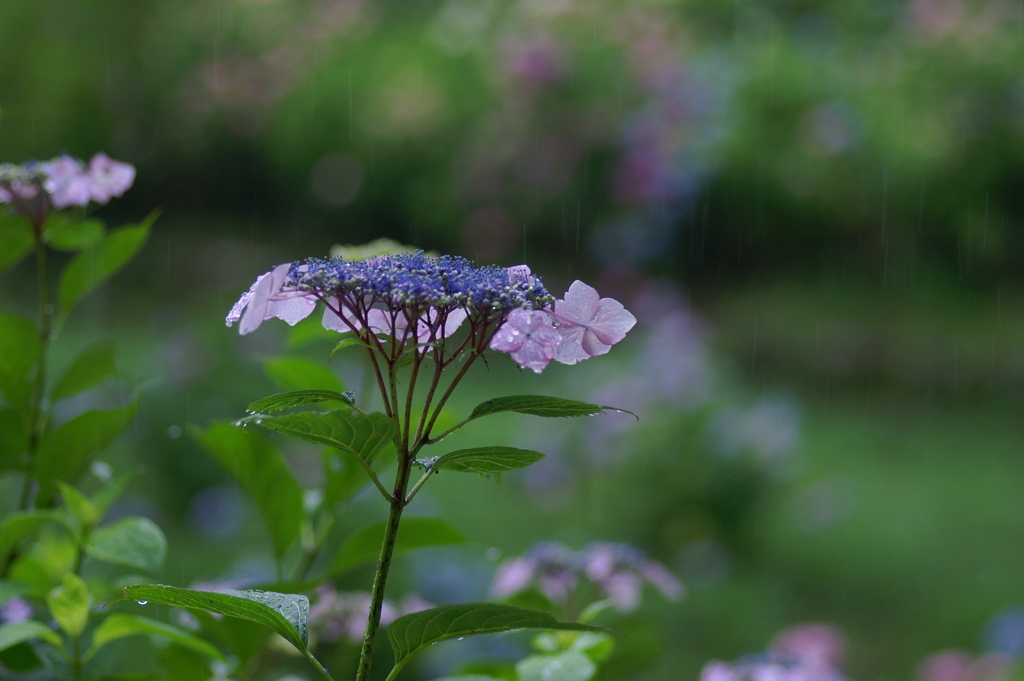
(38, 421)
(387, 549)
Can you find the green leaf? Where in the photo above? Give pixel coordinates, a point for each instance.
(69, 604)
(89, 369)
(122, 624)
(349, 342)
(9, 590)
(361, 434)
(299, 373)
(20, 348)
(343, 477)
(133, 541)
(364, 546)
(295, 398)
(539, 405)
(487, 460)
(572, 665)
(15, 240)
(13, 633)
(20, 524)
(79, 505)
(99, 262)
(64, 453)
(286, 614)
(63, 233)
(412, 633)
(110, 492)
(261, 471)
(13, 438)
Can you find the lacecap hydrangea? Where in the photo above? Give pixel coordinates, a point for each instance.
(413, 299)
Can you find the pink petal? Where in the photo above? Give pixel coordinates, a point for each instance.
(236, 310)
(579, 305)
(109, 178)
(266, 288)
(611, 321)
(293, 308)
(332, 322)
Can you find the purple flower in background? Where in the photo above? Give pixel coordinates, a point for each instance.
(109, 178)
(769, 667)
(588, 324)
(529, 337)
(15, 610)
(959, 665)
(67, 182)
(617, 570)
(342, 615)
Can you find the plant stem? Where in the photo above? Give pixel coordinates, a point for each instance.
(387, 549)
(38, 421)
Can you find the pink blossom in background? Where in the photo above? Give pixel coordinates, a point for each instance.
(815, 642)
(959, 665)
(109, 178)
(15, 610)
(529, 337)
(67, 182)
(588, 325)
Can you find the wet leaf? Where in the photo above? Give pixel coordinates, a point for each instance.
(295, 398)
(539, 405)
(133, 541)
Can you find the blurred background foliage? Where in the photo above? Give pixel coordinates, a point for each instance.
(813, 208)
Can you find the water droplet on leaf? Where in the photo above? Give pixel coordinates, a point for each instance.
(142, 602)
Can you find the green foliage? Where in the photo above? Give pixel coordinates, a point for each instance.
(571, 665)
(301, 374)
(65, 453)
(69, 605)
(133, 541)
(412, 633)
(285, 614)
(63, 233)
(100, 261)
(261, 471)
(21, 524)
(363, 546)
(122, 624)
(13, 633)
(15, 240)
(92, 366)
(295, 398)
(20, 349)
(362, 435)
(493, 460)
(538, 405)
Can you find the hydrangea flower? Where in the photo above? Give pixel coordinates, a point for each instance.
(416, 298)
(64, 181)
(529, 337)
(617, 570)
(588, 324)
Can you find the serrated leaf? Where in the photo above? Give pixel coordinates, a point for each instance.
(295, 398)
(122, 624)
(64, 453)
(286, 614)
(79, 505)
(299, 373)
(90, 368)
(92, 267)
(133, 541)
(487, 460)
(69, 604)
(361, 434)
(15, 240)
(571, 665)
(539, 405)
(261, 471)
(63, 233)
(412, 633)
(364, 546)
(13, 633)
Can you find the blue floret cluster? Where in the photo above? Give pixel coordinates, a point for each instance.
(409, 279)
